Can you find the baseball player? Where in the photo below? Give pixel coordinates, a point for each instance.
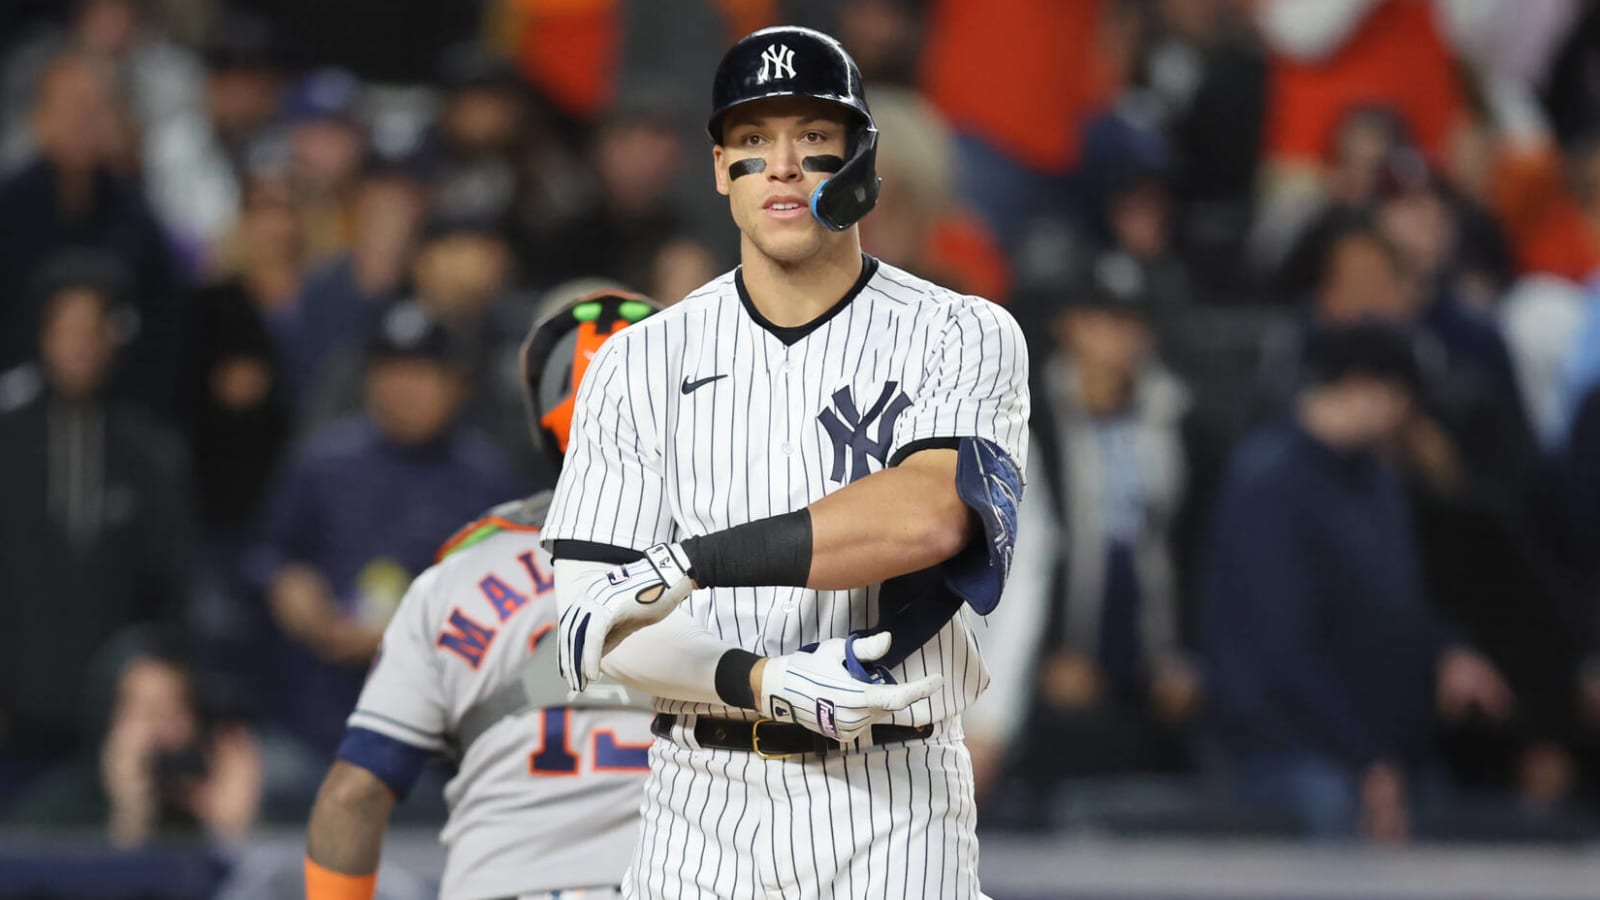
(546, 797)
(784, 499)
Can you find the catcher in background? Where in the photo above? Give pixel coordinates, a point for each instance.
(547, 791)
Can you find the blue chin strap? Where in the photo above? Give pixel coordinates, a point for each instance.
(816, 194)
(841, 201)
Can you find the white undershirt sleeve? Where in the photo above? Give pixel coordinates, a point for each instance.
(675, 659)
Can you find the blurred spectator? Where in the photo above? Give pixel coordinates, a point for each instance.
(1365, 140)
(159, 79)
(268, 252)
(1114, 462)
(631, 229)
(461, 275)
(478, 149)
(1324, 664)
(339, 547)
(917, 224)
(1413, 210)
(1138, 220)
(1329, 60)
(93, 517)
(1018, 80)
(1581, 370)
(1371, 165)
(493, 154)
(1569, 90)
(1200, 78)
(568, 51)
(1581, 483)
(238, 386)
(66, 198)
(1471, 401)
(884, 37)
(195, 161)
(1330, 57)
(1469, 461)
(344, 297)
(379, 40)
(1539, 316)
(165, 766)
(326, 145)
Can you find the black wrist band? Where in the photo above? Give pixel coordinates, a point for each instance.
(773, 552)
(733, 678)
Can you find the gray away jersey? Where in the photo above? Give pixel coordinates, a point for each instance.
(545, 799)
(701, 418)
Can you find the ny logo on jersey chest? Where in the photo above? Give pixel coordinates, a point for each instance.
(850, 430)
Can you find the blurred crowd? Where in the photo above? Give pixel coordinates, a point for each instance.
(1311, 543)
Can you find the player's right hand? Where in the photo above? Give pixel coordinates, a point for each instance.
(814, 689)
(628, 598)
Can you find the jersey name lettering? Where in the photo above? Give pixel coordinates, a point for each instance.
(469, 639)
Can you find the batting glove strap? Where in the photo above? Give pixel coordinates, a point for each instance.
(628, 598)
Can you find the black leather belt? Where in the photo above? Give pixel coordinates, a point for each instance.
(775, 740)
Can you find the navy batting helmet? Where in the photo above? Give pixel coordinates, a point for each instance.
(788, 61)
(557, 352)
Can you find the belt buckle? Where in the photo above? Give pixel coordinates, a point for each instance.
(755, 741)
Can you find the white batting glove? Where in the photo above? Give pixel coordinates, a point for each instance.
(816, 691)
(628, 598)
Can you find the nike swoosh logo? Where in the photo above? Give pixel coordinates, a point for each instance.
(690, 387)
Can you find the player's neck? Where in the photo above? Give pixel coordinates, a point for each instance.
(793, 295)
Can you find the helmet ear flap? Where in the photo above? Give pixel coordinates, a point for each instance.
(841, 201)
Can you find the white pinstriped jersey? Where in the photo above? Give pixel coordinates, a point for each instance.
(705, 416)
(544, 799)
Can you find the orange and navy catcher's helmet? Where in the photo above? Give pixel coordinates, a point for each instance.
(557, 352)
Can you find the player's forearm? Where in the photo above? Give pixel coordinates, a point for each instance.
(891, 523)
(888, 524)
(675, 659)
(348, 821)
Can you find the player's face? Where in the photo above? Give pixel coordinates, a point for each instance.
(760, 167)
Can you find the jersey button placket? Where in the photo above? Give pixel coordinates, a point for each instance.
(787, 368)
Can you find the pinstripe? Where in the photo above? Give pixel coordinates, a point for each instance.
(669, 792)
(917, 826)
(773, 821)
(889, 832)
(638, 510)
(652, 813)
(717, 868)
(744, 808)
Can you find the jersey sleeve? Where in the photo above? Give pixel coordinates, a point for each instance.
(976, 385)
(612, 486)
(404, 694)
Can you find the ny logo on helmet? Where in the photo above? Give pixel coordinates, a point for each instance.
(777, 61)
(852, 446)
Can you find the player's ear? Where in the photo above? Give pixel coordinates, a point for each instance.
(719, 169)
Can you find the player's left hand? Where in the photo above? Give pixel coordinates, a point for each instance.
(815, 690)
(628, 598)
